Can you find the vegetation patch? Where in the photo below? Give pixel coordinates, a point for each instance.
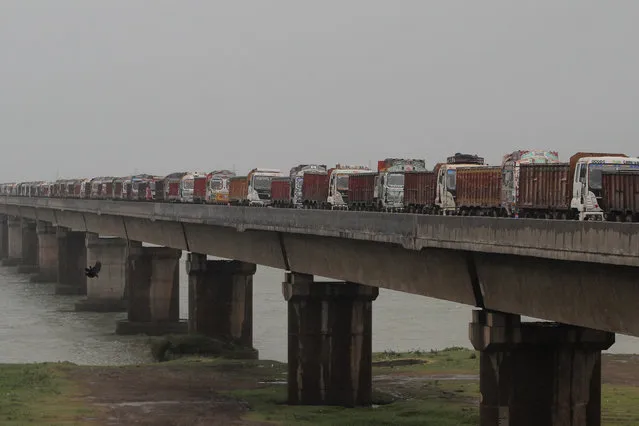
(39, 394)
(176, 346)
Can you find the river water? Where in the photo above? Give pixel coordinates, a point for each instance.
(37, 326)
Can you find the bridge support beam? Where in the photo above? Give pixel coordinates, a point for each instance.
(4, 237)
(105, 293)
(153, 293)
(14, 241)
(329, 341)
(72, 259)
(538, 373)
(221, 298)
(29, 262)
(47, 253)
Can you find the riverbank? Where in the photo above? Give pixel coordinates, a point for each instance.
(426, 388)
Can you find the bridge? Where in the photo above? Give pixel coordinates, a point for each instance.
(583, 276)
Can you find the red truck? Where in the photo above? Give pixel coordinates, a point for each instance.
(281, 192)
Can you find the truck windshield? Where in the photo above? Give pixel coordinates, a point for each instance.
(187, 184)
(396, 179)
(451, 180)
(342, 183)
(596, 170)
(262, 182)
(216, 184)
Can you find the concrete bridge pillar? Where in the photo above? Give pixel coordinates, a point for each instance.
(72, 259)
(14, 241)
(47, 253)
(537, 373)
(105, 293)
(329, 341)
(4, 237)
(153, 292)
(29, 262)
(221, 298)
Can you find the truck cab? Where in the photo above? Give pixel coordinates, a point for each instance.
(445, 195)
(338, 184)
(587, 181)
(389, 182)
(259, 186)
(218, 186)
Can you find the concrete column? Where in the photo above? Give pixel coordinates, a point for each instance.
(537, 373)
(4, 237)
(72, 259)
(14, 241)
(221, 298)
(329, 341)
(153, 293)
(105, 293)
(47, 253)
(29, 262)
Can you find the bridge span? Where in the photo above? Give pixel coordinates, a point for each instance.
(581, 275)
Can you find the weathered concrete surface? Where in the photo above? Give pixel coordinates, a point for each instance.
(538, 374)
(14, 241)
(329, 341)
(29, 258)
(105, 293)
(589, 295)
(154, 286)
(4, 237)
(72, 259)
(511, 265)
(221, 298)
(47, 253)
(611, 243)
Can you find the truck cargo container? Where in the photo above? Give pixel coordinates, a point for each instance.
(543, 191)
(314, 188)
(238, 190)
(511, 164)
(419, 191)
(479, 191)
(620, 196)
(361, 191)
(281, 192)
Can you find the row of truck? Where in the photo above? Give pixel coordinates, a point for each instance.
(527, 183)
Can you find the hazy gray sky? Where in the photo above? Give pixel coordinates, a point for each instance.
(113, 87)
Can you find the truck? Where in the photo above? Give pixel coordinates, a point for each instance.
(620, 195)
(446, 193)
(572, 190)
(253, 189)
(193, 187)
(338, 176)
(305, 187)
(217, 188)
(171, 187)
(382, 190)
(478, 191)
(281, 192)
(511, 173)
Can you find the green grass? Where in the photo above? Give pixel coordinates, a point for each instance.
(38, 394)
(268, 404)
(620, 405)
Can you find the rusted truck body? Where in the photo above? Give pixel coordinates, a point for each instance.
(620, 196)
(420, 188)
(478, 191)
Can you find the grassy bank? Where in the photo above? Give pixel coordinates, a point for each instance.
(414, 388)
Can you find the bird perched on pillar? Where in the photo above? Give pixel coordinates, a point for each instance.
(93, 271)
